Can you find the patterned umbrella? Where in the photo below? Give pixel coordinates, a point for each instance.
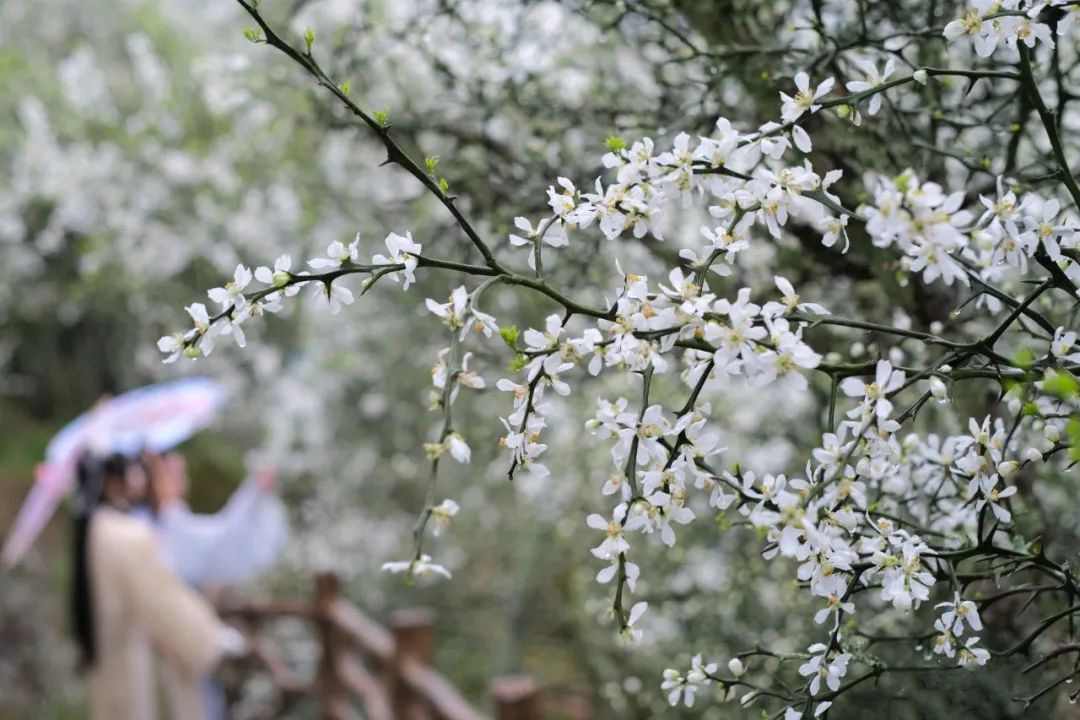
(155, 418)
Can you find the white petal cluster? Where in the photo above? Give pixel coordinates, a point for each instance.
(236, 308)
(727, 167)
(959, 616)
(421, 567)
(872, 81)
(873, 517)
(994, 24)
(685, 687)
(939, 237)
(805, 99)
(239, 302)
(401, 250)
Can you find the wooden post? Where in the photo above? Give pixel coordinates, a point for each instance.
(332, 696)
(414, 642)
(516, 697)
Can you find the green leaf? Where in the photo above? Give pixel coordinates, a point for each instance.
(444, 186)
(509, 334)
(518, 363)
(309, 38)
(345, 87)
(614, 143)
(1063, 385)
(382, 117)
(431, 162)
(1072, 431)
(253, 34)
(1024, 357)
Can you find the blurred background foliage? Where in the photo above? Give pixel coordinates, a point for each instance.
(146, 148)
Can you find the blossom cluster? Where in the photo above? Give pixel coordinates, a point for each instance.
(239, 304)
(730, 167)
(842, 543)
(943, 241)
(857, 521)
(992, 24)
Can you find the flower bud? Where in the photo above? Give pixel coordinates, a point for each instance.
(920, 76)
(936, 328)
(1033, 455)
(938, 389)
(748, 698)
(735, 667)
(191, 352)
(281, 278)
(1015, 406)
(1008, 468)
(1052, 433)
(857, 349)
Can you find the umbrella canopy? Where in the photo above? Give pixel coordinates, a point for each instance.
(155, 418)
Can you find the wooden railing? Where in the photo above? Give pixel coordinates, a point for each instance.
(387, 671)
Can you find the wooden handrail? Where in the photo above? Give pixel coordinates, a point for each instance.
(266, 609)
(414, 643)
(393, 677)
(332, 694)
(362, 632)
(282, 675)
(362, 683)
(444, 699)
(516, 698)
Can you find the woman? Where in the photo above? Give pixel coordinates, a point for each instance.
(232, 545)
(127, 602)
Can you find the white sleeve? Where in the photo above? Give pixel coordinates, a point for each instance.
(230, 546)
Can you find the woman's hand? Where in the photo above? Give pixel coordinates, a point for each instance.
(168, 479)
(265, 479)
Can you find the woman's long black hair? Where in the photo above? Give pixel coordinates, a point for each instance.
(91, 475)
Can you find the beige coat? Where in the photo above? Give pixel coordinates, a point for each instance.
(142, 606)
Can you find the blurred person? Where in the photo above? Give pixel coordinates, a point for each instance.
(230, 546)
(233, 545)
(127, 601)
